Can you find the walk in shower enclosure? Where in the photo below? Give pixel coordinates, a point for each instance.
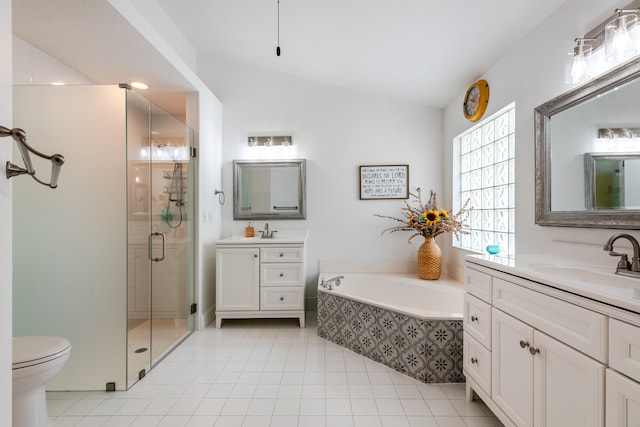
(105, 260)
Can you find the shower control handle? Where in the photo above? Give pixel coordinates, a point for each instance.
(164, 246)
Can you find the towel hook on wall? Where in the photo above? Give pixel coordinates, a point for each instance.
(220, 194)
(11, 170)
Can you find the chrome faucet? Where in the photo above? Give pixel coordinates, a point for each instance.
(624, 266)
(328, 283)
(266, 234)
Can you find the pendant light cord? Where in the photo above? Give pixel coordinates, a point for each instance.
(278, 46)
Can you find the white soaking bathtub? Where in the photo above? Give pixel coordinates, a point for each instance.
(411, 325)
(403, 293)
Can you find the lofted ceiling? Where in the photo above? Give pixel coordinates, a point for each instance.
(423, 51)
(95, 40)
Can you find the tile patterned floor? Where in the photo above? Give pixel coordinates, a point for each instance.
(270, 373)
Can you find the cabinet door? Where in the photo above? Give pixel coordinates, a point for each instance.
(237, 279)
(568, 386)
(623, 401)
(512, 367)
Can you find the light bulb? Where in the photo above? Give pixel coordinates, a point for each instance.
(579, 70)
(618, 45)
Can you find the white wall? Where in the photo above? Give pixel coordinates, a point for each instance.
(31, 66)
(6, 114)
(336, 130)
(531, 75)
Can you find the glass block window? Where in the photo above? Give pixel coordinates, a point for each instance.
(484, 172)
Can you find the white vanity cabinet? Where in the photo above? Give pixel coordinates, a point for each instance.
(259, 280)
(534, 359)
(539, 381)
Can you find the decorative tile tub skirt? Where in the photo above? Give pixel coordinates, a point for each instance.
(427, 350)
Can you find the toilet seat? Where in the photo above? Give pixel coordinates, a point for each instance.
(31, 351)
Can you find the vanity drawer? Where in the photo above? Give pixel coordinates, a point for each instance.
(477, 319)
(281, 254)
(578, 327)
(281, 274)
(478, 284)
(624, 350)
(477, 362)
(284, 298)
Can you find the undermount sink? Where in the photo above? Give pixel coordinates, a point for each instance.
(592, 278)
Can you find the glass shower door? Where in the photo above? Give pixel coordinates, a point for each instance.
(160, 234)
(171, 237)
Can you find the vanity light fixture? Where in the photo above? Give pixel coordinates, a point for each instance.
(580, 67)
(270, 141)
(618, 35)
(618, 45)
(612, 133)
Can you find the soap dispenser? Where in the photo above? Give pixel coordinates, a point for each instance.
(249, 231)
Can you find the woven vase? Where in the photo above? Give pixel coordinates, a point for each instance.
(429, 260)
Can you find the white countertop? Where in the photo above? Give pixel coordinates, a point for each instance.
(600, 284)
(285, 236)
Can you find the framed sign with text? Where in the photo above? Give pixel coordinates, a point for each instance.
(384, 182)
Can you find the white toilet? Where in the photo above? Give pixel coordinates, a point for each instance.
(35, 361)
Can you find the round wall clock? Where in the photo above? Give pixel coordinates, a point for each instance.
(476, 100)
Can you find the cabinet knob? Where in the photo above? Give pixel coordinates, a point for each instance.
(281, 255)
(281, 274)
(474, 360)
(255, 255)
(281, 298)
(474, 318)
(534, 351)
(524, 344)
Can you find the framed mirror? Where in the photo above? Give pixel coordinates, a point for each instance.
(269, 189)
(611, 181)
(586, 129)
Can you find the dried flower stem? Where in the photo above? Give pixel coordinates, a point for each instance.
(426, 220)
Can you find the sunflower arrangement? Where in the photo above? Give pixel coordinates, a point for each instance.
(426, 219)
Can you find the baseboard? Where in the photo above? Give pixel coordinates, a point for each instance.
(206, 318)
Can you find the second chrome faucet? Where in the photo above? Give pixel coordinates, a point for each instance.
(624, 266)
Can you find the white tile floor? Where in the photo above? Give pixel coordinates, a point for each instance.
(270, 373)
